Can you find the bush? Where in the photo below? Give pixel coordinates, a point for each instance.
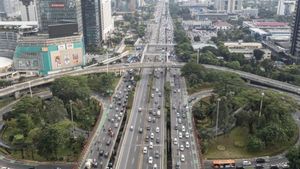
(255, 144)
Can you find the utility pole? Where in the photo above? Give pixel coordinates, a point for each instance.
(217, 120)
(261, 103)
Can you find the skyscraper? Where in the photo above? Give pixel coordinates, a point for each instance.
(286, 7)
(91, 19)
(230, 6)
(295, 36)
(58, 12)
(107, 22)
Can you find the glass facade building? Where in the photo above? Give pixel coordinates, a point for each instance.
(52, 12)
(91, 22)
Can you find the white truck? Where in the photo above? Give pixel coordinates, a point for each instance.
(158, 113)
(88, 164)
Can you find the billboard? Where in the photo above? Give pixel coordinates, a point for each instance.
(57, 5)
(66, 58)
(63, 29)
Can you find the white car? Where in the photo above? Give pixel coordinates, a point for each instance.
(152, 135)
(150, 160)
(175, 141)
(131, 128)
(181, 147)
(187, 134)
(151, 145)
(182, 158)
(145, 150)
(157, 130)
(155, 166)
(246, 163)
(183, 128)
(180, 135)
(187, 144)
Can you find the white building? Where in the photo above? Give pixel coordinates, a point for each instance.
(230, 6)
(286, 7)
(32, 12)
(12, 8)
(107, 22)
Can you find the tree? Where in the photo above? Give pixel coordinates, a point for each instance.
(71, 88)
(258, 54)
(294, 157)
(255, 144)
(55, 111)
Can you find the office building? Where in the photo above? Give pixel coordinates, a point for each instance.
(91, 19)
(12, 8)
(295, 36)
(230, 6)
(58, 12)
(107, 22)
(286, 7)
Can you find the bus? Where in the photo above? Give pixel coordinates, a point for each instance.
(225, 164)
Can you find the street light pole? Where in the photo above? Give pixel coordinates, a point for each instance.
(73, 128)
(29, 83)
(217, 120)
(261, 103)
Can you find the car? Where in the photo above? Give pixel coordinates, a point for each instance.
(152, 135)
(246, 163)
(156, 154)
(155, 166)
(260, 160)
(177, 115)
(158, 106)
(183, 128)
(140, 130)
(108, 142)
(151, 145)
(239, 167)
(177, 166)
(116, 125)
(148, 127)
(182, 158)
(274, 167)
(187, 135)
(150, 160)
(110, 106)
(140, 109)
(147, 139)
(157, 130)
(152, 95)
(181, 147)
(176, 127)
(153, 120)
(101, 152)
(106, 154)
(187, 144)
(145, 150)
(149, 119)
(175, 141)
(131, 128)
(259, 166)
(180, 135)
(179, 121)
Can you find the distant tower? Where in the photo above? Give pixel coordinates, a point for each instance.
(295, 42)
(26, 3)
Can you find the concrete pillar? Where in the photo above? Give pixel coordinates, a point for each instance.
(17, 95)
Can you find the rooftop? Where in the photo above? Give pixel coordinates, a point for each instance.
(5, 62)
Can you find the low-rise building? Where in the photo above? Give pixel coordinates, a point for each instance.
(199, 25)
(221, 25)
(49, 55)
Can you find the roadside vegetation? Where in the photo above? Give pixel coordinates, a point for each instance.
(245, 129)
(42, 130)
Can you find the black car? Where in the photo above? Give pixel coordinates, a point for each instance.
(239, 167)
(274, 167)
(260, 160)
(101, 152)
(157, 140)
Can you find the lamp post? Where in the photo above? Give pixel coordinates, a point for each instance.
(217, 120)
(261, 103)
(73, 128)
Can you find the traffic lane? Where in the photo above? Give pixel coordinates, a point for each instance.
(132, 142)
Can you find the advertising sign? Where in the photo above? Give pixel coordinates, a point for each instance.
(57, 5)
(66, 58)
(62, 47)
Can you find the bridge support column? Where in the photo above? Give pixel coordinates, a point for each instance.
(17, 95)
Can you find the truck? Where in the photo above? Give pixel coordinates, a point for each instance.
(158, 113)
(88, 164)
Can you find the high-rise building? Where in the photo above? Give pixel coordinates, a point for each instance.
(28, 10)
(286, 7)
(58, 12)
(91, 19)
(12, 8)
(295, 36)
(107, 22)
(2, 6)
(230, 6)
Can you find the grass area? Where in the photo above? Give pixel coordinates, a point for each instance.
(199, 87)
(5, 101)
(235, 146)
